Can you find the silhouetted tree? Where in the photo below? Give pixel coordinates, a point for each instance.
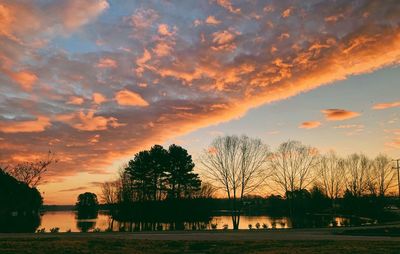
(357, 179)
(382, 175)
(32, 173)
(237, 164)
(87, 205)
(19, 205)
(331, 174)
(182, 182)
(207, 190)
(293, 165)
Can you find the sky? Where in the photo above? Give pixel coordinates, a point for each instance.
(96, 81)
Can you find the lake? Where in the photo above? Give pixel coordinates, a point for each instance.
(66, 220)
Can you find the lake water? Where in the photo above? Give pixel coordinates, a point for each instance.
(66, 220)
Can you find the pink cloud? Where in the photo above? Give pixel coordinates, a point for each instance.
(386, 105)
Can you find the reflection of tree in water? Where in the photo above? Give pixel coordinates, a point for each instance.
(86, 221)
(85, 225)
(19, 224)
(131, 226)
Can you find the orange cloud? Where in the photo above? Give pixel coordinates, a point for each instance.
(387, 105)
(162, 49)
(107, 63)
(310, 125)
(88, 122)
(25, 79)
(98, 98)
(74, 100)
(228, 5)
(223, 40)
(339, 114)
(129, 98)
(211, 20)
(163, 29)
(286, 13)
(38, 125)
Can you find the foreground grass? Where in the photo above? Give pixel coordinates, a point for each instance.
(388, 231)
(100, 246)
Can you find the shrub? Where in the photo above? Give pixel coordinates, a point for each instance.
(265, 226)
(68, 231)
(96, 230)
(225, 227)
(258, 225)
(250, 226)
(42, 230)
(214, 225)
(55, 230)
(273, 224)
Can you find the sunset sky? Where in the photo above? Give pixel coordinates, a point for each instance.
(95, 81)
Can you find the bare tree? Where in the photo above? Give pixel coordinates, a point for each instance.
(110, 192)
(293, 165)
(207, 190)
(357, 175)
(382, 174)
(32, 173)
(331, 172)
(237, 165)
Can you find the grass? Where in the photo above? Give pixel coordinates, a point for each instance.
(102, 246)
(388, 231)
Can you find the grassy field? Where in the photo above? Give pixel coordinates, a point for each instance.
(100, 246)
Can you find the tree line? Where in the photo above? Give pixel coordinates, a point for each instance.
(239, 166)
(242, 165)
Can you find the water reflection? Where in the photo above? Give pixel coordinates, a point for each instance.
(68, 220)
(19, 224)
(86, 222)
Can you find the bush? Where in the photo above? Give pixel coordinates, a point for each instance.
(265, 226)
(225, 227)
(258, 225)
(96, 230)
(42, 230)
(214, 226)
(55, 230)
(68, 231)
(250, 226)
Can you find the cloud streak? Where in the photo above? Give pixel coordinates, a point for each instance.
(339, 114)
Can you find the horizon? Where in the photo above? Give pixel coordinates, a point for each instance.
(97, 82)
